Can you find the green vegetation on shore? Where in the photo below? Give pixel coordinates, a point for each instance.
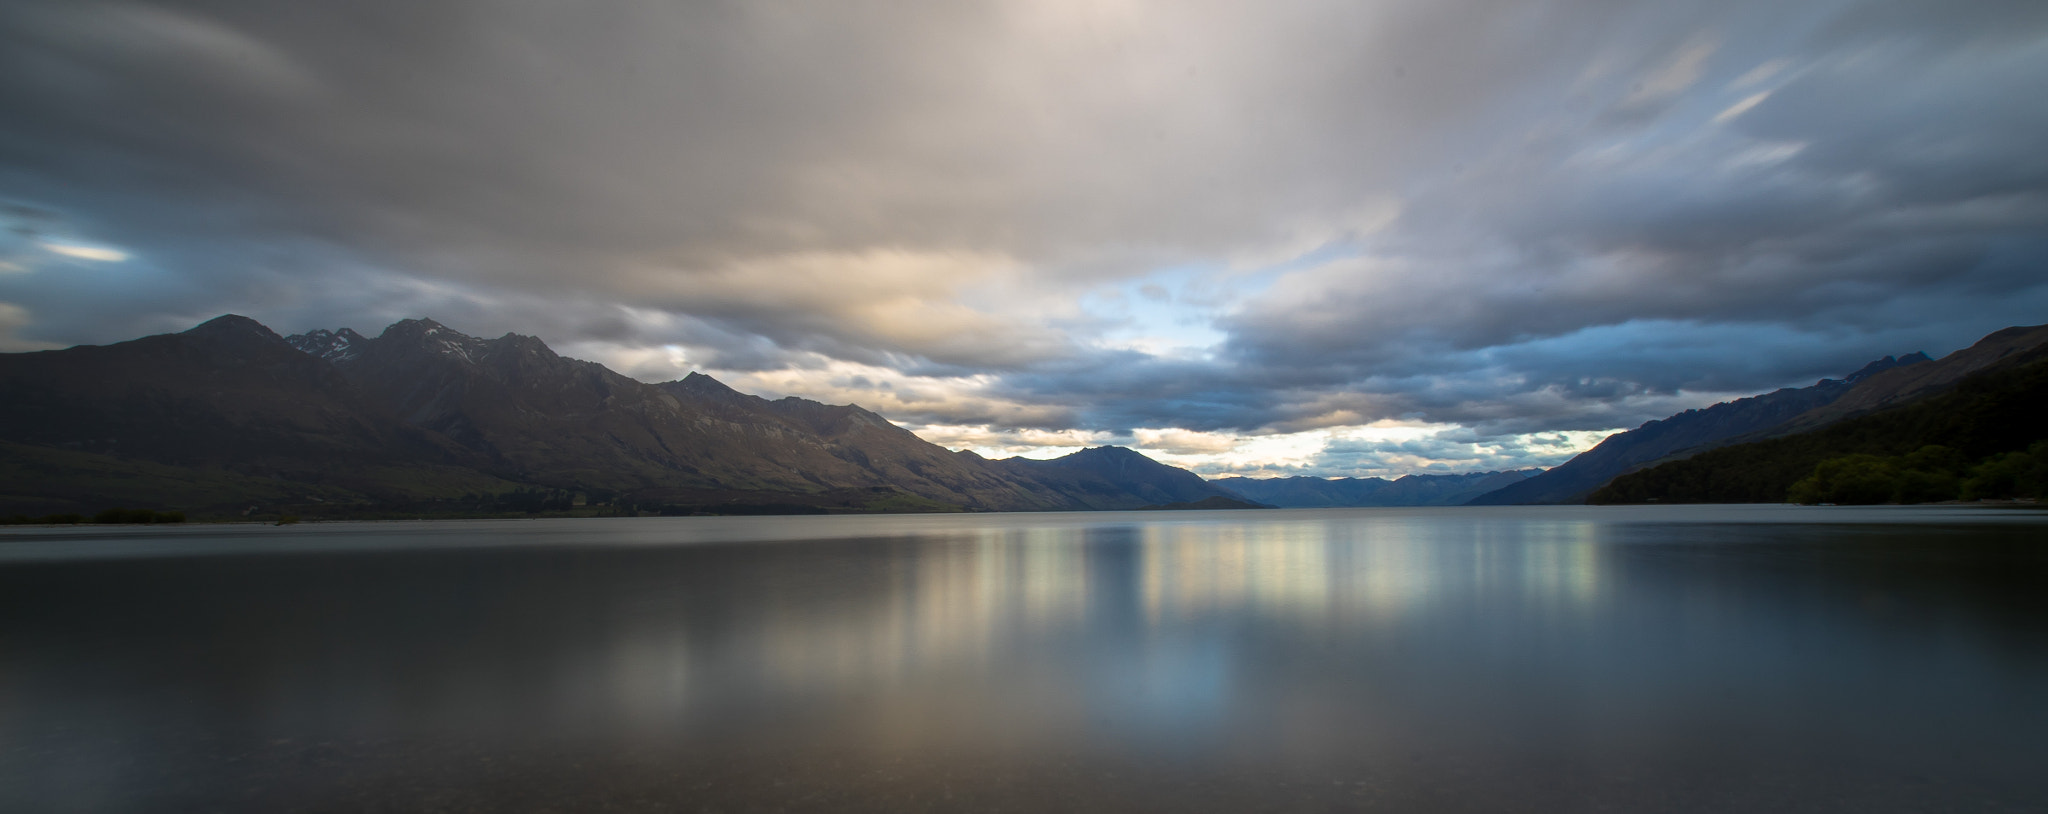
(1930, 474)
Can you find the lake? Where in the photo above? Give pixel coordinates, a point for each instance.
(1632, 659)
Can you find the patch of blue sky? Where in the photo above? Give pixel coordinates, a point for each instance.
(1168, 312)
(1172, 311)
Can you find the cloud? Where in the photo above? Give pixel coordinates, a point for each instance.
(1060, 221)
(1450, 451)
(13, 318)
(97, 254)
(998, 442)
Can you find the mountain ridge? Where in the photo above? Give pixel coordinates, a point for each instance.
(1987, 419)
(422, 418)
(1693, 430)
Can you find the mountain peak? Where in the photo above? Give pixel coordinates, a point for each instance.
(705, 389)
(432, 336)
(528, 344)
(1110, 469)
(1111, 451)
(1110, 457)
(232, 327)
(417, 327)
(700, 383)
(334, 346)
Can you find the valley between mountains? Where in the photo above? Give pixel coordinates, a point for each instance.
(231, 420)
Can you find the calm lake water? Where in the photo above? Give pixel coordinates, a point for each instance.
(1512, 659)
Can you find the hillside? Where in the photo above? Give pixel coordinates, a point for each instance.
(1995, 410)
(1691, 430)
(1902, 386)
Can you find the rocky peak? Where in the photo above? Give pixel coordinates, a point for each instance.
(334, 346)
(1887, 363)
(431, 336)
(523, 344)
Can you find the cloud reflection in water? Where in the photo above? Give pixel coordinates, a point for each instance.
(1589, 655)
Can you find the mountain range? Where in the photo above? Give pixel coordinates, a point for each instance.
(1410, 490)
(231, 418)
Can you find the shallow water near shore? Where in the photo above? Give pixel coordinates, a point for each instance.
(1744, 658)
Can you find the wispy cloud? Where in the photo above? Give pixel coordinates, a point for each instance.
(97, 254)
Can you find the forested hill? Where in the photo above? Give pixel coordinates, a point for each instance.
(1935, 448)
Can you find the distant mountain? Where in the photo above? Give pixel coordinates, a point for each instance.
(1304, 492)
(1410, 490)
(1205, 504)
(1109, 477)
(1690, 431)
(423, 418)
(1994, 409)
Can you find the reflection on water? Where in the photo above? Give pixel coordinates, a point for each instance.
(1668, 659)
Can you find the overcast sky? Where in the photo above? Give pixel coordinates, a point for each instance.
(1334, 238)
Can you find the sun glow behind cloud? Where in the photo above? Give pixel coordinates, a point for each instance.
(1277, 237)
(1384, 449)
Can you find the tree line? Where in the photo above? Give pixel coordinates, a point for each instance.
(1929, 474)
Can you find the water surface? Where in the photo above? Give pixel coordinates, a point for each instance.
(1510, 659)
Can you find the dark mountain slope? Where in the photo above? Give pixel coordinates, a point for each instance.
(869, 443)
(537, 417)
(571, 424)
(1997, 409)
(566, 423)
(1690, 430)
(213, 416)
(1904, 385)
(232, 411)
(226, 392)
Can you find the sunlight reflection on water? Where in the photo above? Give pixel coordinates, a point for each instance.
(1610, 657)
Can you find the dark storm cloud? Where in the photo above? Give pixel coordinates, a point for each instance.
(1509, 216)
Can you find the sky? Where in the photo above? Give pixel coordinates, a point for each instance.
(1274, 238)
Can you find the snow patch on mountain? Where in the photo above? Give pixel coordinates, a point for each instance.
(333, 346)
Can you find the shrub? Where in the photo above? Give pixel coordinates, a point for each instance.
(1926, 475)
(2010, 475)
